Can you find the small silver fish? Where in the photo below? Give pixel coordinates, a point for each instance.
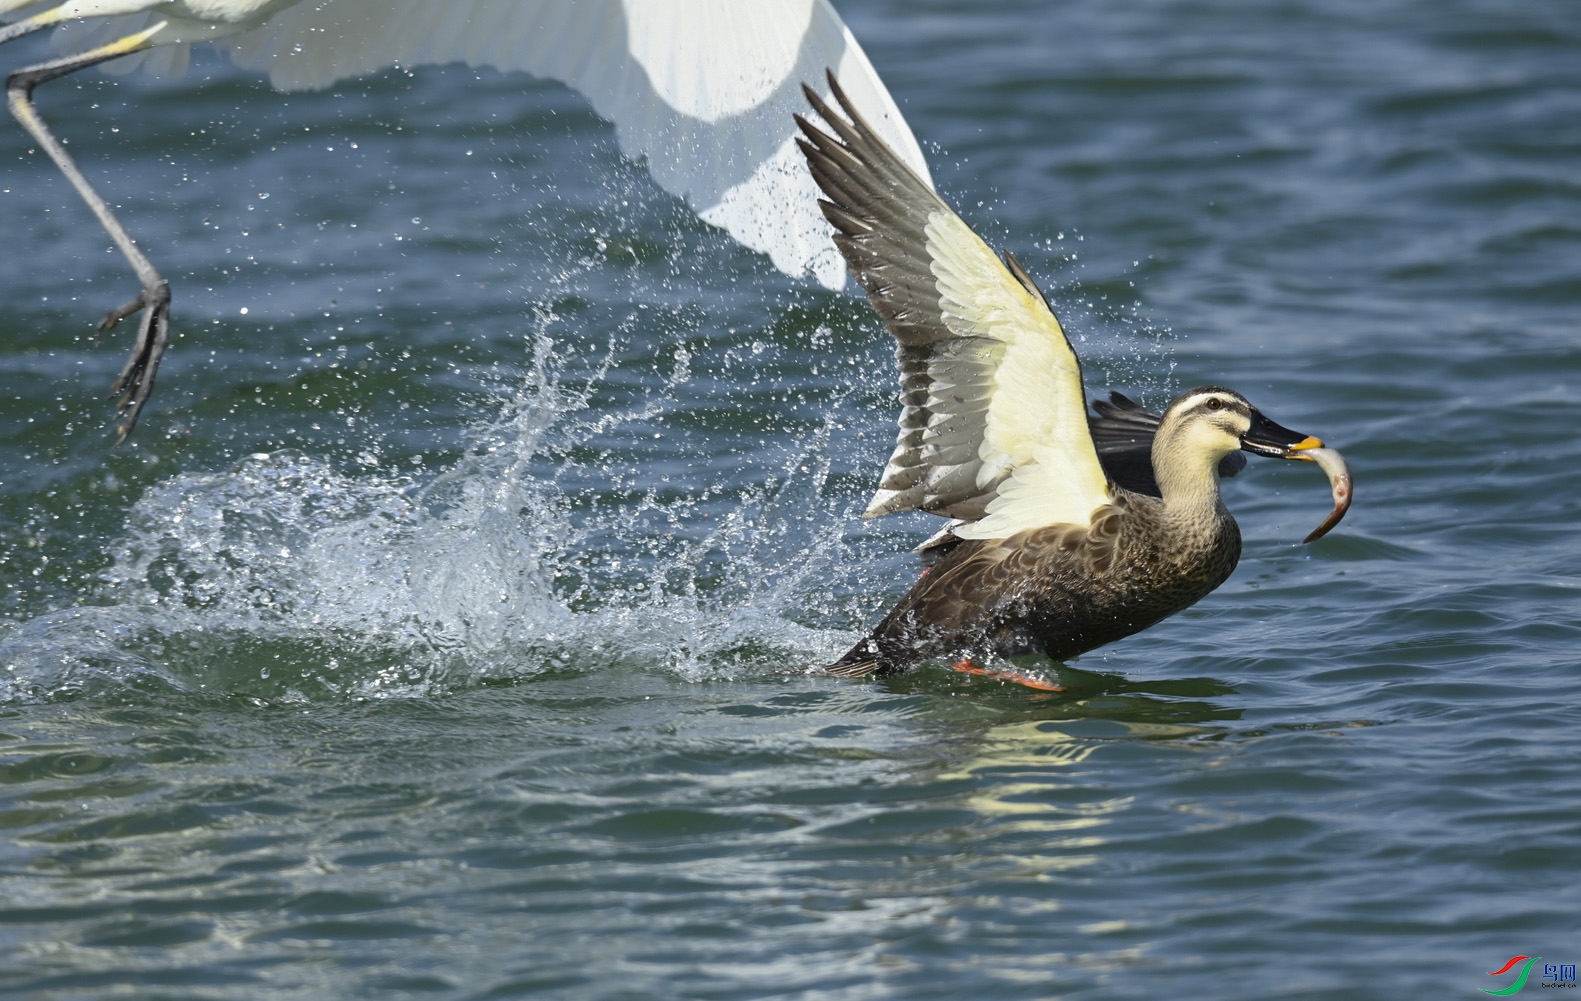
(1338, 471)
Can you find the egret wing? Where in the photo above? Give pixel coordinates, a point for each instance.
(993, 426)
(703, 90)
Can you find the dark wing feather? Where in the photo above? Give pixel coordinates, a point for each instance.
(880, 211)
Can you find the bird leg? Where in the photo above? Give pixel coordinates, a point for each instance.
(136, 380)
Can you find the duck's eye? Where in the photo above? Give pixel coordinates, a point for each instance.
(1214, 403)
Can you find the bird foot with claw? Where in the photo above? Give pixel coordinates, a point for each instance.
(120, 313)
(1029, 680)
(136, 381)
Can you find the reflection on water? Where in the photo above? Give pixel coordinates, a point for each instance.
(1023, 772)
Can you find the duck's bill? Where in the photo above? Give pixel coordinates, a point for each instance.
(1267, 438)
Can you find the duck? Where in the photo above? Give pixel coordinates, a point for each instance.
(1067, 530)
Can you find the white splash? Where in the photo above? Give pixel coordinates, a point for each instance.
(286, 579)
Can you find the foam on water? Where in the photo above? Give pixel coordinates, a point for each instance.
(285, 578)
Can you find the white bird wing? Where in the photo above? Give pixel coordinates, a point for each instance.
(704, 90)
(993, 426)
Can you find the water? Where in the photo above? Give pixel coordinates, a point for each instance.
(430, 637)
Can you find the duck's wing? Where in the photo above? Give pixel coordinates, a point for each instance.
(702, 90)
(993, 426)
(1122, 431)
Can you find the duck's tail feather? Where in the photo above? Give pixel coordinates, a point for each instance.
(851, 669)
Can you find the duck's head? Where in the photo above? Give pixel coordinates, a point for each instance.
(1204, 425)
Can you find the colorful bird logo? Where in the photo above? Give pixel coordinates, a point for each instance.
(1520, 981)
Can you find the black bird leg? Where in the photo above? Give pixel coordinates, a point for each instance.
(136, 380)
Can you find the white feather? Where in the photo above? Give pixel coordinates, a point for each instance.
(1036, 428)
(703, 90)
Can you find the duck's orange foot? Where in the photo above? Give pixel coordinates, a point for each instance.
(1030, 681)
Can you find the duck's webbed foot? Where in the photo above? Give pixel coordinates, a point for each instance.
(1038, 682)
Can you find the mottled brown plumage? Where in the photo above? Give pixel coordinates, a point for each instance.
(1071, 530)
(1060, 590)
